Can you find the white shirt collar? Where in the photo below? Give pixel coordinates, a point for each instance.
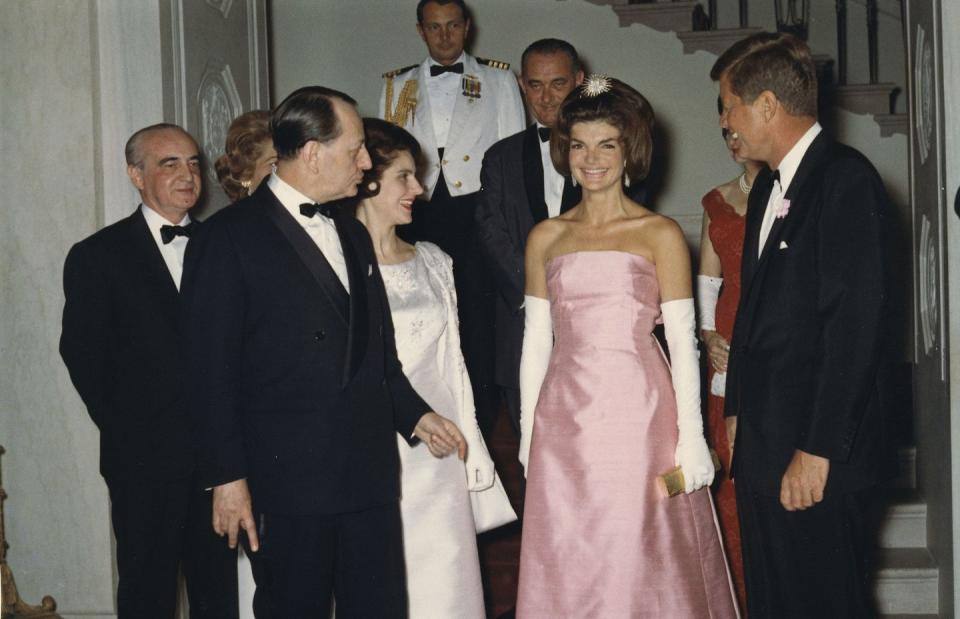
(155, 220)
(461, 58)
(290, 198)
(791, 161)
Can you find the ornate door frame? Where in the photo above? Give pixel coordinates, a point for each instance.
(929, 208)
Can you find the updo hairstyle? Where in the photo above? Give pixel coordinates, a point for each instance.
(384, 142)
(247, 139)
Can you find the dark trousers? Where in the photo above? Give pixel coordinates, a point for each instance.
(304, 561)
(803, 564)
(162, 527)
(448, 222)
(511, 398)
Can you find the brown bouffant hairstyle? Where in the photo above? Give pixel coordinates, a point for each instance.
(774, 61)
(620, 106)
(384, 142)
(247, 139)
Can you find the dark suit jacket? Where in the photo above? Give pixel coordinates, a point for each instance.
(808, 360)
(121, 342)
(295, 384)
(510, 203)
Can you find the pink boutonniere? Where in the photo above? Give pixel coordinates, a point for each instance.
(783, 209)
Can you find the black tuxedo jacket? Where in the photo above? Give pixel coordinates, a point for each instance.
(122, 344)
(295, 384)
(808, 360)
(511, 202)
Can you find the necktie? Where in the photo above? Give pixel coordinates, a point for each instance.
(309, 209)
(168, 233)
(544, 133)
(439, 69)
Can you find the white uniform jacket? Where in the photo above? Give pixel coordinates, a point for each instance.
(477, 123)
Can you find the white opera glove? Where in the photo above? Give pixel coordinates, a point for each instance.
(534, 359)
(693, 456)
(479, 465)
(708, 291)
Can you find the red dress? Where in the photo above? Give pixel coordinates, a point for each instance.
(726, 234)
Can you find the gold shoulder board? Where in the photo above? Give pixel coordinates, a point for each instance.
(496, 64)
(397, 72)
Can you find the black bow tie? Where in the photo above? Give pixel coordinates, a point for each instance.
(544, 133)
(168, 233)
(309, 209)
(775, 177)
(439, 69)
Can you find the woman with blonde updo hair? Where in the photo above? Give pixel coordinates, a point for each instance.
(602, 413)
(248, 155)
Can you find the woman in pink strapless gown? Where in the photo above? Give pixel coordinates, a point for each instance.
(599, 539)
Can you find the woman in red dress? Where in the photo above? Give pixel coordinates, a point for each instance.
(718, 292)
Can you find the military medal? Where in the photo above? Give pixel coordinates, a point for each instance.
(471, 87)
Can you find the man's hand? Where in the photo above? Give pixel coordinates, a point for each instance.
(803, 481)
(718, 350)
(731, 424)
(233, 509)
(441, 436)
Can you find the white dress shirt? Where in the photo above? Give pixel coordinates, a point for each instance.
(787, 168)
(552, 180)
(443, 90)
(321, 229)
(173, 251)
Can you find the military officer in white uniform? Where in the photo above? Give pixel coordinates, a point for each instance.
(456, 106)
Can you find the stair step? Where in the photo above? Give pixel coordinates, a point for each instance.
(892, 123)
(866, 98)
(903, 522)
(911, 616)
(906, 581)
(714, 41)
(662, 16)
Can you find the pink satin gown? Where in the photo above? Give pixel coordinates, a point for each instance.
(598, 538)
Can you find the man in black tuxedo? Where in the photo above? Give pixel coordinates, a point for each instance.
(520, 188)
(295, 383)
(123, 346)
(807, 361)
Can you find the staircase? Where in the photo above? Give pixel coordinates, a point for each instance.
(906, 578)
(686, 19)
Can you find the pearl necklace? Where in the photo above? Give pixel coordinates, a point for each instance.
(744, 187)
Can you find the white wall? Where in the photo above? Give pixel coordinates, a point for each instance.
(347, 45)
(57, 512)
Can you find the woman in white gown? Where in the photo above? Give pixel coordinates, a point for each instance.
(439, 529)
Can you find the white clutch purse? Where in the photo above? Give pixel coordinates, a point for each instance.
(491, 507)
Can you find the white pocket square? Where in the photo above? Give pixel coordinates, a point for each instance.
(369, 270)
(783, 244)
